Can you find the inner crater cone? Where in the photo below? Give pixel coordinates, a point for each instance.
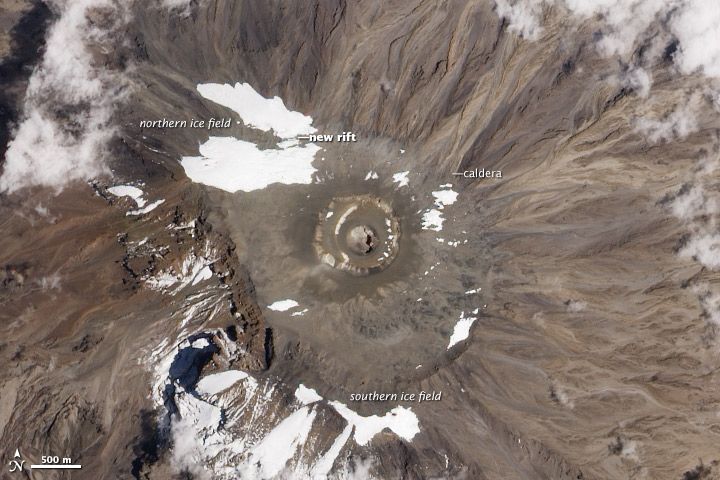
(361, 239)
(357, 234)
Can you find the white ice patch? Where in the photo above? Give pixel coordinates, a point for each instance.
(194, 269)
(283, 305)
(433, 220)
(461, 330)
(307, 395)
(322, 467)
(147, 208)
(299, 313)
(204, 274)
(50, 282)
(257, 111)
(199, 419)
(217, 382)
(232, 165)
(402, 421)
(129, 191)
(372, 175)
(180, 8)
(401, 178)
(280, 445)
(445, 197)
(231, 426)
(200, 343)
(137, 195)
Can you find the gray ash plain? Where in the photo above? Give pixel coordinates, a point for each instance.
(385, 330)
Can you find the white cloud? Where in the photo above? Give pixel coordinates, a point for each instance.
(710, 302)
(623, 21)
(68, 104)
(68, 108)
(705, 247)
(694, 203)
(677, 124)
(697, 27)
(562, 396)
(695, 24)
(523, 16)
(50, 282)
(575, 306)
(698, 208)
(639, 80)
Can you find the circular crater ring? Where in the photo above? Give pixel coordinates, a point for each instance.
(358, 234)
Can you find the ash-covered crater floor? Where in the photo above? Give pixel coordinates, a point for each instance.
(368, 320)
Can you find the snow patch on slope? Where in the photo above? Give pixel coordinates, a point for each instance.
(433, 218)
(231, 164)
(277, 447)
(461, 330)
(283, 305)
(138, 197)
(265, 114)
(307, 395)
(147, 208)
(402, 421)
(129, 191)
(217, 382)
(229, 425)
(193, 270)
(401, 178)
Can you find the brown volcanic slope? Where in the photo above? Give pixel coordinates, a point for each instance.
(592, 358)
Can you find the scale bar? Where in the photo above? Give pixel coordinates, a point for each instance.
(45, 465)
